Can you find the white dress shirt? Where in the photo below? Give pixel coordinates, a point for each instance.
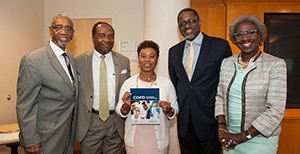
(110, 79)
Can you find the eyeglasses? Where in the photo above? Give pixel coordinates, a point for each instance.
(60, 27)
(248, 33)
(190, 22)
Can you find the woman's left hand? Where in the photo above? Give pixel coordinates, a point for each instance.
(166, 106)
(229, 140)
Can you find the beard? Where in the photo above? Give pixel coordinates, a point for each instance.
(190, 35)
(63, 44)
(62, 41)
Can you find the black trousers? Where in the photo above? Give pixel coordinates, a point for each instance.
(190, 144)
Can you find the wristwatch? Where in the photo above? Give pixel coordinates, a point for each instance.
(248, 135)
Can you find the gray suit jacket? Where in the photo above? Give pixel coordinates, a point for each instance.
(264, 92)
(45, 102)
(86, 90)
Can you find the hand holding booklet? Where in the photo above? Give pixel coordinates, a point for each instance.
(145, 107)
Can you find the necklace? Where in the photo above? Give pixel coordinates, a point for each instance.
(244, 65)
(147, 79)
(151, 80)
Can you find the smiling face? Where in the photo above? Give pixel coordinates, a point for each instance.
(61, 31)
(147, 59)
(247, 38)
(104, 38)
(189, 25)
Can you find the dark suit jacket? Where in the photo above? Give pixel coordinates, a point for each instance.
(196, 98)
(46, 102)
(86, 90)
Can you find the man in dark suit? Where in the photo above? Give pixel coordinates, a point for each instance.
(96, 135)
(47, 94)
(197, 126)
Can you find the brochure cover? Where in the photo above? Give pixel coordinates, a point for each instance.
(145, 105)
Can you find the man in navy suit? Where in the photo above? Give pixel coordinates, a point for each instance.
(197, 126)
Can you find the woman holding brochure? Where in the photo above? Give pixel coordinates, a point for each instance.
(148, 138)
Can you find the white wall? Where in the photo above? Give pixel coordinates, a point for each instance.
(24, 27)
(22, 30)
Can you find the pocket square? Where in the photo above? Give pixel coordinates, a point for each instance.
(124, 71)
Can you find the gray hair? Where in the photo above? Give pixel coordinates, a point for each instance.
(262, 30)
(60, 15)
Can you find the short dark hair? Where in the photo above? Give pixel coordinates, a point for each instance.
(188, 10)
(99, 23)
(148, 44)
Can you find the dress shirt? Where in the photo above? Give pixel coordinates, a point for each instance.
(110, 79)
(197, 45)
(58, 52)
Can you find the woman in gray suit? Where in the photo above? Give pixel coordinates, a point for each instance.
(251, 97)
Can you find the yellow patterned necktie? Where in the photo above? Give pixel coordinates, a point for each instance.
(103, 96)
(189, 61)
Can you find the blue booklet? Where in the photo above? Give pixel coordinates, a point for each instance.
(145, 107)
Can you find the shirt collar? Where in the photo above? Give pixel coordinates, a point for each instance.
(57, 50)
(107, 56)
(196, 41)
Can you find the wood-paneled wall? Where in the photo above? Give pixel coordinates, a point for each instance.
(256, 8)
(289, 141)
(216, 16)
(212, 20)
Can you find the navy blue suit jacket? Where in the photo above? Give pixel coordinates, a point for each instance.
(196, 98)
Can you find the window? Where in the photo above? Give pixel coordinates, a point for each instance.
(284, 41)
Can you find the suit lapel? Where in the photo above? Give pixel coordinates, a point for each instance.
(89, 68)
(72, 62)
(202, 56)
(54, 62)
(74, 68)
(117, 70)
(179, 59)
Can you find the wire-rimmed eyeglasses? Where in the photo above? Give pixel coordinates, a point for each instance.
(249, 33)
(60, 27)
(190, 22)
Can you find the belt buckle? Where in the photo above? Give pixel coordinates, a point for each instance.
(97, 112)
(111, 112)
